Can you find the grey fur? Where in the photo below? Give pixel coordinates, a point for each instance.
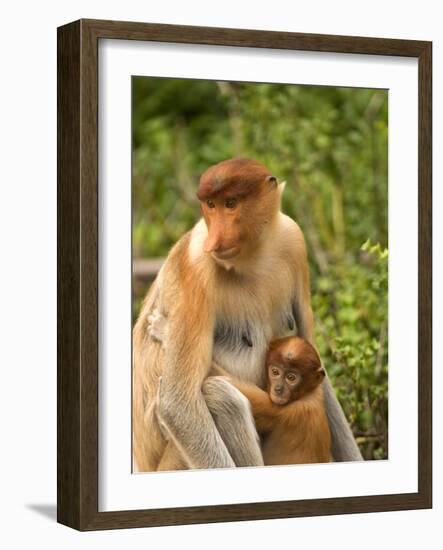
(233, 336)
(204, 445)
(344, 446)
(226, 434)
(232, 415)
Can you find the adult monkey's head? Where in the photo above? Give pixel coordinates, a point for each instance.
(239, 199)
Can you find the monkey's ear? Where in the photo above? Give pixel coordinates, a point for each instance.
(321, 373)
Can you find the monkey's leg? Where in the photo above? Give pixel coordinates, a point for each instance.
(172, 459)
(344, 446)
(233, 418)
(229, 409)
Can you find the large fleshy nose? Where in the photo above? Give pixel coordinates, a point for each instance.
(212, 242)
(216, 239)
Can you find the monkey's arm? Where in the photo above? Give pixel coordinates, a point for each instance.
(209, 420)
(344, 446)
(231, 415)
(264, 411)
(181, 406)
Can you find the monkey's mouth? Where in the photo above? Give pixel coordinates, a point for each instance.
(227, 254)
(278, 399)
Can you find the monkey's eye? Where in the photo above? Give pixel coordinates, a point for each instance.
(210, 204)
(231, 203)
(275, 372)
(291, 377)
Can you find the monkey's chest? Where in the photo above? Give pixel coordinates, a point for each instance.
(240, 345)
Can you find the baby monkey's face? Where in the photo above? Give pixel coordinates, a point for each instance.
(294, 369)
(283, 382)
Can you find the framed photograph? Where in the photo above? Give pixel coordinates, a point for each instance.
(244, 274)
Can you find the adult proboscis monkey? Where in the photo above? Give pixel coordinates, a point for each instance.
(236, 281)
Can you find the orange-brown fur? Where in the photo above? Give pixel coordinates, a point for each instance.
(296, 432)
(193, 287)
(239, 177)
(194, 353)
(240, 265)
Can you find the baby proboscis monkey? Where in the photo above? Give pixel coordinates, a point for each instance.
(290, 416)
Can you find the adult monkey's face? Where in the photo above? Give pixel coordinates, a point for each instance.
(238, 199)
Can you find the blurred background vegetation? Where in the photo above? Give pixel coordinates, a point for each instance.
(331, 146)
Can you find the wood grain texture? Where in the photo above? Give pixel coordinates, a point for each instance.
(68, 275)
(425, 274)
(77, 318)
(254, 38)
(89, 275)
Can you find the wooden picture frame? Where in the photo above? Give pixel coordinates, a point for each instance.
(77, 431)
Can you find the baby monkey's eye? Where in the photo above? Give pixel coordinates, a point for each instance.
(275, 372)
(291, 377)
(210, 204)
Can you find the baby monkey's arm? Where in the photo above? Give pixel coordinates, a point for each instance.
(264, 410)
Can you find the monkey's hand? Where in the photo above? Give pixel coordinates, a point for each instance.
(157, 327)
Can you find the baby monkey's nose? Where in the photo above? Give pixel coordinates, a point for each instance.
(278, 389)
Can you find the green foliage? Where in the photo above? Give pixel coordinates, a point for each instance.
(350, 305)
(330, 145)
